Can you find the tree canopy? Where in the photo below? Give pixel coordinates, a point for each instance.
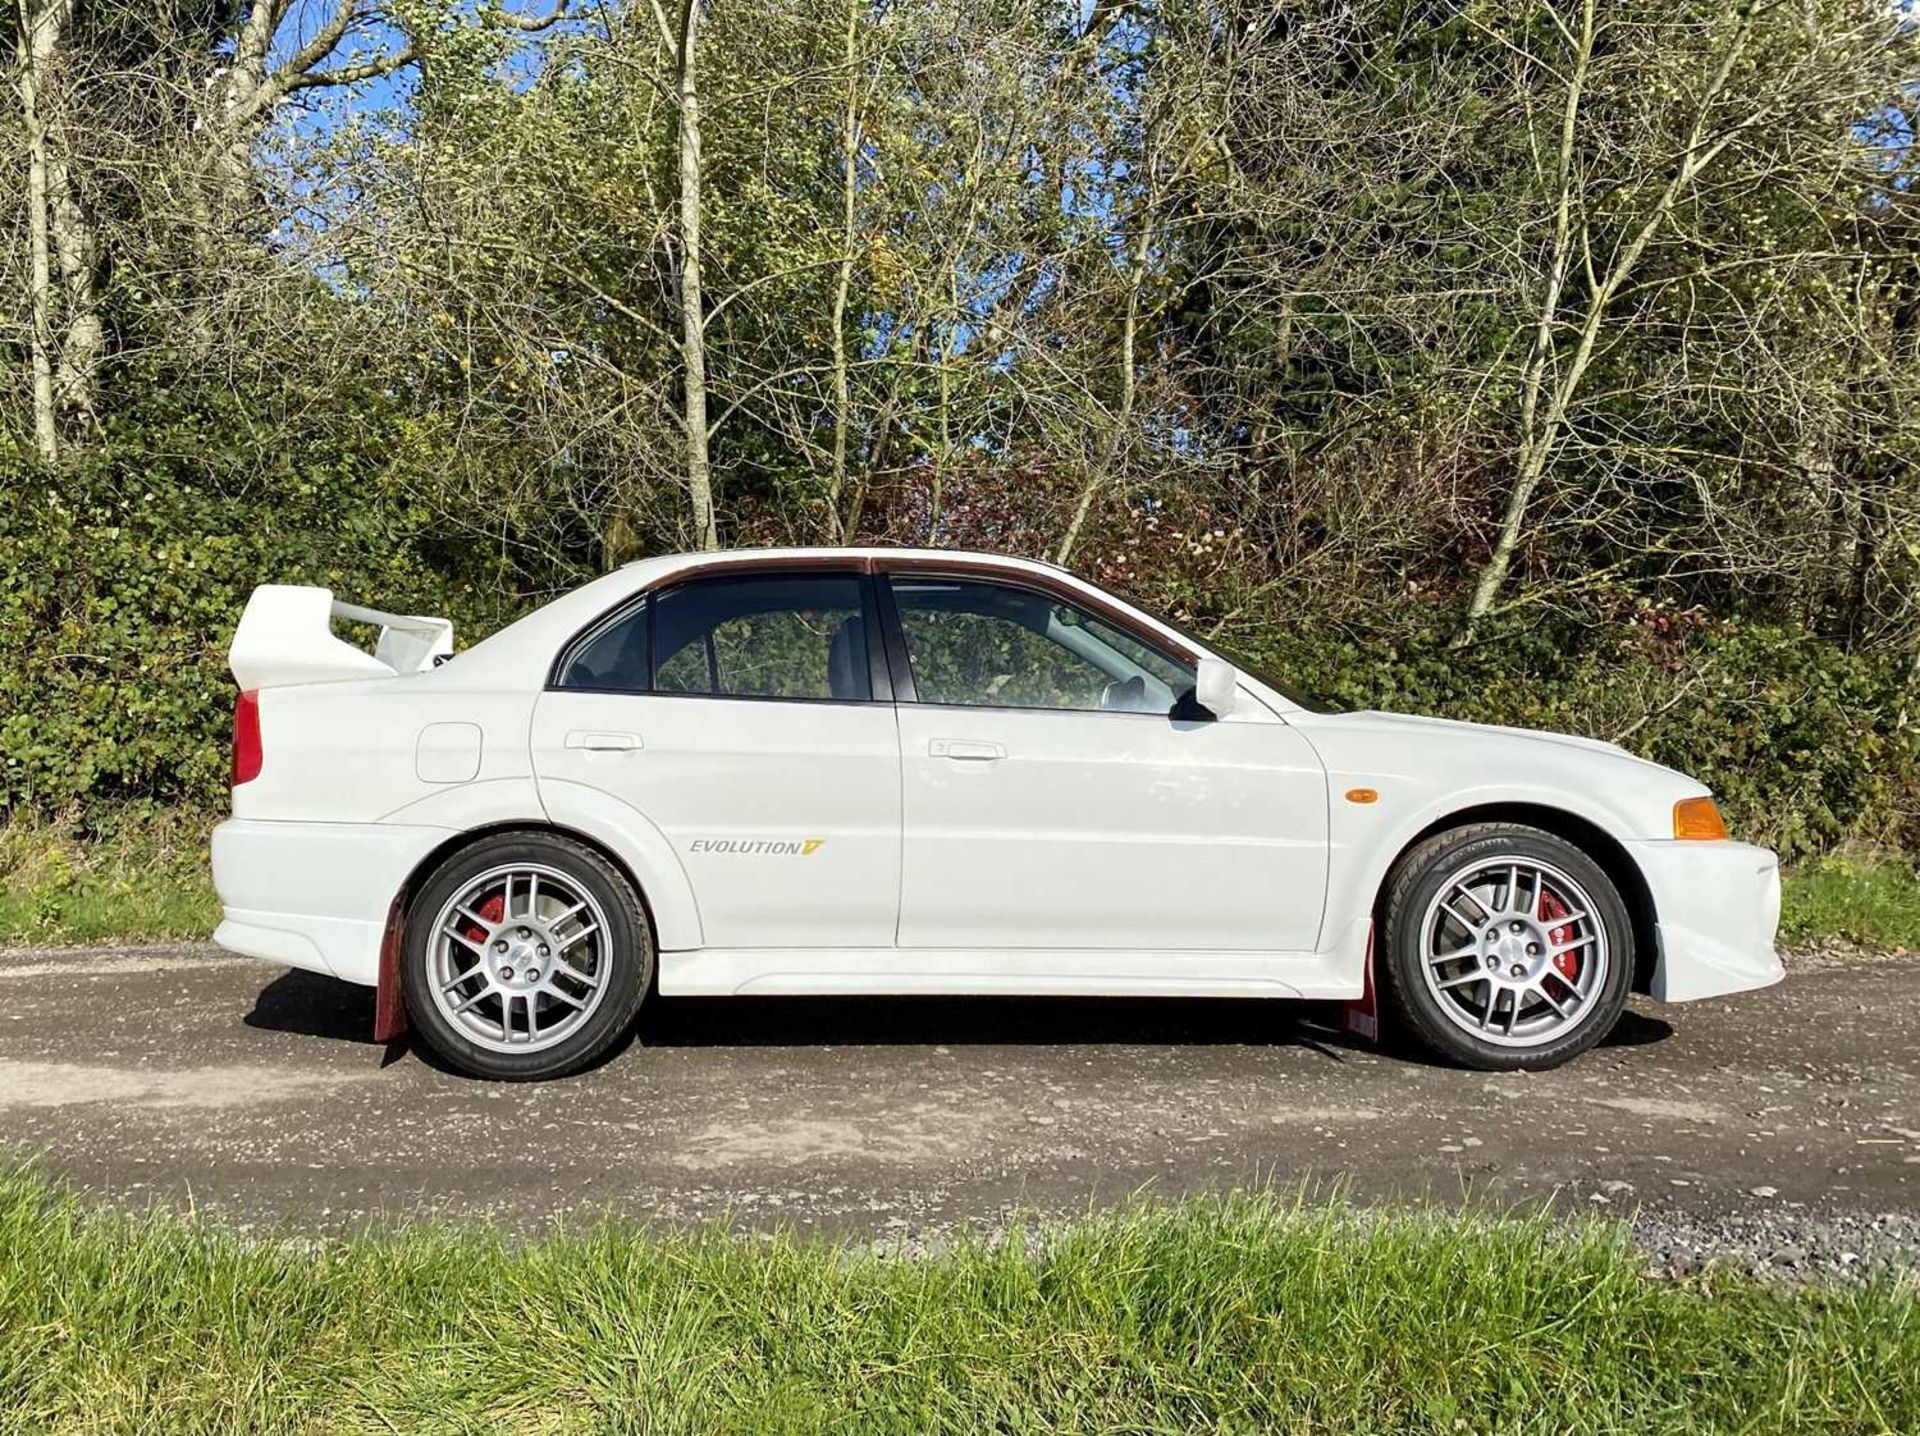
(1543, 362)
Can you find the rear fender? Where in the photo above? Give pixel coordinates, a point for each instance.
(627, 833)
(628, 837)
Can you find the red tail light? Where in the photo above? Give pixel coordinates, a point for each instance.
(247, 754)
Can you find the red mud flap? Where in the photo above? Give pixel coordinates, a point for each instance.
(389, 1002)
(1362, 1018)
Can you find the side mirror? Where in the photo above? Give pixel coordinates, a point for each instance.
(1216, 684)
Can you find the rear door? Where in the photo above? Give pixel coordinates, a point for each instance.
(1056, 798)
(743, 716)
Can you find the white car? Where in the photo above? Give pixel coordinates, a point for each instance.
(903, 771)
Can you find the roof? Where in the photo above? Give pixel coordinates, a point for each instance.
(852, 551)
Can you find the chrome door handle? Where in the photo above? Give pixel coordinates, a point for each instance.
(966, 750)
(595, 742)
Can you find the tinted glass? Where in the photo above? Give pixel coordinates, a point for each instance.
(774, 637)
(989, 645)
(613, 659)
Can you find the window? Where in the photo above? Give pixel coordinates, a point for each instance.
(614, 659)
(780, 636)
(992, 645)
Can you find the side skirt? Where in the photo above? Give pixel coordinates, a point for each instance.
(795, 972)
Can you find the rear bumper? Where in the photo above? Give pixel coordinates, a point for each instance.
(1718, 905)
(314, 895)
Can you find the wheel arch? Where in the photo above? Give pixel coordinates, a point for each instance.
(1585, 834)
(438, 854)
(390, 1014)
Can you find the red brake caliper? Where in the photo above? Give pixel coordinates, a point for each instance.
(1567, 964)
(493, 909)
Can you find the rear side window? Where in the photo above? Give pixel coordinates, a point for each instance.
(778, 636)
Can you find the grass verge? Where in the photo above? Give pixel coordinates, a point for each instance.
(1871, 899)
(1221, 1315)
(138, 880)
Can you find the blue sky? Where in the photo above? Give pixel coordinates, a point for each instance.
(373, 37)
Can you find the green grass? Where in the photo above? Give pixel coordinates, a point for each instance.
(136, 881)
(1231, 1315)
(1865, 898)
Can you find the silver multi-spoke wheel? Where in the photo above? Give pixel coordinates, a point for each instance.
(1514, 951)
(518, 959)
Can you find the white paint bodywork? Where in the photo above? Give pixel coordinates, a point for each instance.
(954, 849)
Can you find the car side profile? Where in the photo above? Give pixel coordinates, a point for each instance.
(881, 771)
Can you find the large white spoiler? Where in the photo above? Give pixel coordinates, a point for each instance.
(286, 636)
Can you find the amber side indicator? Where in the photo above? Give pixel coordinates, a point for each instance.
(1698, 818)
(1362, 795)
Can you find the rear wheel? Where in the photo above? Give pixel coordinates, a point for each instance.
(527, 956)
(1505, 947)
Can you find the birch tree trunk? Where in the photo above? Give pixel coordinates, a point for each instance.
(37, 33)
(693, 322)
(849, 160)
(76, 254)
(66, 329)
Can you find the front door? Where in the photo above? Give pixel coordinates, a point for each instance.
(738, 715)
(1053, 801)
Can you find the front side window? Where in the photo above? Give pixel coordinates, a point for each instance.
(796, 636)
(993, 645)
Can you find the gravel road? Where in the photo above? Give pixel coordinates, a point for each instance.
(1781, 1128)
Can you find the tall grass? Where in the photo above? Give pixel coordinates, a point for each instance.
(139, 879)
(1231, 1315)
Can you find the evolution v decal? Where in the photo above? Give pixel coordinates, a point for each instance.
(758, 847)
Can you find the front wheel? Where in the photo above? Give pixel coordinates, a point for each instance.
(527, 955)
(1505, 947)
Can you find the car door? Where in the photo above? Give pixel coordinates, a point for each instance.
(1053, 799)
(742, 715)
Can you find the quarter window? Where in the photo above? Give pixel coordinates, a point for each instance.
(615, 659)
(994, 645)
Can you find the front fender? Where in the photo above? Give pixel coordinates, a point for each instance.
(1368, 838)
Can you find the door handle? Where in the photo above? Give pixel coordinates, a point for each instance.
(966, 750)
(603, 742)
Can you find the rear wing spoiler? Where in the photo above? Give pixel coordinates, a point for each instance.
(286, 636)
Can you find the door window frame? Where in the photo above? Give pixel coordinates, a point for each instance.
(879, 669)
(894, 632)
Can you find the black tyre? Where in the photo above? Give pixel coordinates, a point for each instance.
(1503, 948)
(527, 956)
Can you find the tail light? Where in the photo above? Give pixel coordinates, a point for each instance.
(247, 753)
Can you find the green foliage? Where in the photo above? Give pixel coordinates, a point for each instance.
(1236, 1314)
(120, 586)
(454, 379)
(121, 581)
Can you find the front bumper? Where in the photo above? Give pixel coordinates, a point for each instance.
(314, 895)
(1718, 906)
